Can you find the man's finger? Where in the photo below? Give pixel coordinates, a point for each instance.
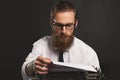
(39, 63)
(44, 60)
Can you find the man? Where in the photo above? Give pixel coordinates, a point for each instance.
(63, 21)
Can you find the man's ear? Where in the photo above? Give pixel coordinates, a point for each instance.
(76, 23)
(50, 22)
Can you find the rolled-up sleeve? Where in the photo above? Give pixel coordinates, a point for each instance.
(36, 51)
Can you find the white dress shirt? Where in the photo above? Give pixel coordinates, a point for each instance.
(78, 53)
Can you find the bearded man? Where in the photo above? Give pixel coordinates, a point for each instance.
(61, 46)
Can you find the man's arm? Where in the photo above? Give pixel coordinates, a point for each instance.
(36, 67)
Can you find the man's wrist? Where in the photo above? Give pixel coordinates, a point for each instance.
(30, 69)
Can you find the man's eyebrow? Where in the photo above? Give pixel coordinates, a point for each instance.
(62, 23)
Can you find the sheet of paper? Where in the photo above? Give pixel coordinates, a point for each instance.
(68, 67)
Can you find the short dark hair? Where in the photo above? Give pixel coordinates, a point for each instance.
(62, 6)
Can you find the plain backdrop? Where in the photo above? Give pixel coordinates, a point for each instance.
(24, 22)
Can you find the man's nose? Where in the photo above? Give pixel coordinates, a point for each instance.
(63, 29)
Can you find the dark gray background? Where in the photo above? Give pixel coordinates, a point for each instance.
(24, 22)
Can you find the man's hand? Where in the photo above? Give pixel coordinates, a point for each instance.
(41, 65)
(94, 75)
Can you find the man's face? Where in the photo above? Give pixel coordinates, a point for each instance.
(63, 29)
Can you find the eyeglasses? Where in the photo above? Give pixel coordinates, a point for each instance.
(60, 25)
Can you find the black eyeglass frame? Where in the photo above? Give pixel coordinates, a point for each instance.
(60, 25)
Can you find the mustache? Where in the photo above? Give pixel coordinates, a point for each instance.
(63, 35)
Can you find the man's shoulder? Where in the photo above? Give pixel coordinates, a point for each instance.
(83, 47)
(42, 40)
(80, 43)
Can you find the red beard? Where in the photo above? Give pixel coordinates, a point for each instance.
(62, 41)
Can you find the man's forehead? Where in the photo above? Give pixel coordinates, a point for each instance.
(65, 13)
(68, 16)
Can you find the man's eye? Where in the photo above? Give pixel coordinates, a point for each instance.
(69, 25)
(59, 25)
